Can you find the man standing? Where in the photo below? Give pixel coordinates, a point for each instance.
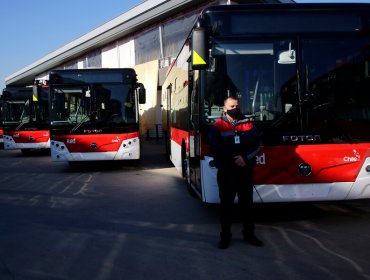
(234, 142)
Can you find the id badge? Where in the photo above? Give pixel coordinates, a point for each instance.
(236, 139)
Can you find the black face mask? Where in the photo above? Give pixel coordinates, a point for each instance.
(233, 113)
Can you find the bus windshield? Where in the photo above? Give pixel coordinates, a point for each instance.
(21, 108)
(15, 112)
(250, 71)
(291, 94)
(93, 103)
(337, 81)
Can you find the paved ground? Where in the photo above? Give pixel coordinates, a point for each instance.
(138, 222)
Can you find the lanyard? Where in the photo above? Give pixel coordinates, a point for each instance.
(236, 137)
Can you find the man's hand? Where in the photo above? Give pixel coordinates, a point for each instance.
(239, 161)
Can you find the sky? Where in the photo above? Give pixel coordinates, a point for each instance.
(31, 29)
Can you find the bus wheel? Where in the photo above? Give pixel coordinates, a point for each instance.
(26, 152)
(185, 171)
(184, 163)
(191, 190)
(135, 162)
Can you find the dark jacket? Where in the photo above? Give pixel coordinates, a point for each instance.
(222, 141)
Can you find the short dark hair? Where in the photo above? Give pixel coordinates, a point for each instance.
(230, 97)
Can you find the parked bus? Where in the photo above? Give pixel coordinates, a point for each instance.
(302, 73)
(25, 119)
(94, 114)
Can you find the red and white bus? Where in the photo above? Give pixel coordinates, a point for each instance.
(25, 118)
(302, 73)
(94, 114)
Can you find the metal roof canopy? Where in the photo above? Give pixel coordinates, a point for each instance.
(134, 20)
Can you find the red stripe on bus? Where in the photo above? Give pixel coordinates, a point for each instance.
(30, 136)
(329, 163)
(178, 135)
(94, 142)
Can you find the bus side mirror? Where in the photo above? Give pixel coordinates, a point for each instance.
(35, 93)
(142, 94)
(199, 43)
(287, 57)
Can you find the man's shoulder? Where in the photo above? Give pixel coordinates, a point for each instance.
(221, 124)
(247, 125)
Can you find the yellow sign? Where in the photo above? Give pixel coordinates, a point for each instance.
(197, 59)
(34, 98)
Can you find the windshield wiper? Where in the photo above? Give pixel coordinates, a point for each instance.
(20, 125)
(84, 120)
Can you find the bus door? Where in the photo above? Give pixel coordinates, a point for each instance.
(194, 136)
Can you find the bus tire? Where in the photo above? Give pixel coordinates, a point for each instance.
(184, 170)
(191, 191)
(26, 152)
(184, 162)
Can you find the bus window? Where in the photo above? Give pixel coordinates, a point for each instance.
(337, 103)
(251, 72)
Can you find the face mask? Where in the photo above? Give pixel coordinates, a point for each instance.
(233, 113)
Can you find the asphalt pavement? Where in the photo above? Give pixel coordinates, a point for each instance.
(108, 222)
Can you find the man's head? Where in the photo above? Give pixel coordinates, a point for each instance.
(231, 107)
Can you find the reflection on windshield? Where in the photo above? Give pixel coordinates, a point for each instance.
(16, 112)
(104, 104)
(252, 73)
(325, 94)
(338, 83)
(20, 112)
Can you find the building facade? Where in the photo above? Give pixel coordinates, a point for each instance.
(146, 38)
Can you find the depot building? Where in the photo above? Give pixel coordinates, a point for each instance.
(147, 38)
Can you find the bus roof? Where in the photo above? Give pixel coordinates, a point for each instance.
(17, 93)
(91, 76)
(277, 18)
(288, 7)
